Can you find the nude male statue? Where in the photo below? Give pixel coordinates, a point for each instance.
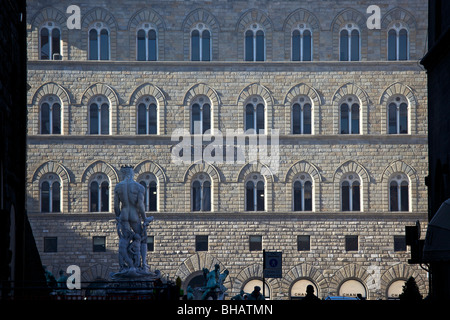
(130, 211)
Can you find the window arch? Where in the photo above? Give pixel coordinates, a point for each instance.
(349, 43)
(50, 42)
(99, 42)
(301, 43)
(150, 183)
(200, 115)
(50, 115)
(147, 43)
(201, 192)
(399, 192)
(302, 193)
(147, 116)
(255, 43)
(50, 193)
(398, 42)
(398, 115)
(201, 47)
(255, 115)
(301, 116)
(255, 193)
(99, 193)
(350, 192)
(349, 116)
(99, 115)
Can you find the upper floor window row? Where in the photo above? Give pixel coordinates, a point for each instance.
(255, 188)
(201, 115)
(254, 39)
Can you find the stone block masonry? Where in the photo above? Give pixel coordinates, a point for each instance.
(316, 244)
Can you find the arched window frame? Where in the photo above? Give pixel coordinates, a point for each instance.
(301, 54)
(54, 41)
(350, 29)
(204, 45)
(399, 193)
(253, 53)
(151, 116)
(151, 52)
(300, 185)
(352, 181)
(303, 103)
(150, 183)
(103, 119)
(394, 42)
(99, 28)
(201, 199)
(398, 115)
(204, 124)
(253, 107)
(54, 115)
(353, 116)
(255, 192)
(54, 192)
(103, 183)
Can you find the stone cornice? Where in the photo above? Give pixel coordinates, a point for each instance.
(288, 139)
(341, 216)
(265, 66)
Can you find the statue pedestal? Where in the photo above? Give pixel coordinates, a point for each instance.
(134, 274)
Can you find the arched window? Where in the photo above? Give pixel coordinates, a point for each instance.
(399, 193)
(50, 42)
(255, 44)
(150, 183)
(98, 42)
(200, 115)
(349, 116)
(349, 43)
(50, 193)
(351, 193)
(201, 193)
(398, 42)
(302, 192)
(255, 115)
(146, 43)
(200, 43)
(301, 116)
(99, 116)
(99, 193)
(398, 116)
(301, 43)
(50, 115)
(147, 116)
(255, 193)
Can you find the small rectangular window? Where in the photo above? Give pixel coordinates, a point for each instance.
(351, 243)
(50, 244)
(150, 243)
(255, 243)
(99, 244)
(303, 243)
(201, 243)
(399, 243)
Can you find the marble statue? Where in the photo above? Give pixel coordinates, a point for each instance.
(132, 224)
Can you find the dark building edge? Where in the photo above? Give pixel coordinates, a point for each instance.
(437, 64)
(21, 271)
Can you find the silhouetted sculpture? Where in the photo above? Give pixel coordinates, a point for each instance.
(256, 294)
(410, 291)
(310, 296)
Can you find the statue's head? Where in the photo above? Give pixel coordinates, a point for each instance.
(127, 172)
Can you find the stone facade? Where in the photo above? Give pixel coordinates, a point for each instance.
(174, 82)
